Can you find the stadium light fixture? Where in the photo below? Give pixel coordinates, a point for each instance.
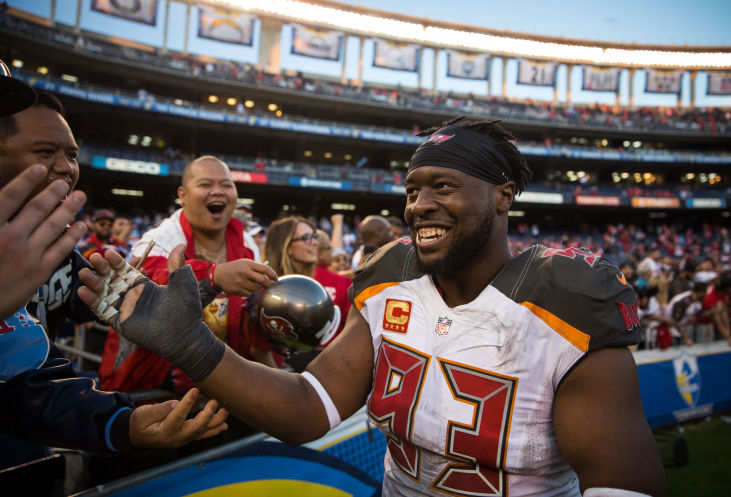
(70, 77)
(179, 101)
(278, 113)
(231, 101)
(385, 212)
(213, 98)
(443, 36)
(342, 207)
(272, 107)
(308, 153)
(128, 193)
(328, 155)
(17, 63)
(133, 139)
(347, 157)
(249, 104)
(42, 70)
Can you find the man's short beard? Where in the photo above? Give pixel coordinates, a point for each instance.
(460, 251)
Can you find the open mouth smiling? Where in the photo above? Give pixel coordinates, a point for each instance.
(216, 207)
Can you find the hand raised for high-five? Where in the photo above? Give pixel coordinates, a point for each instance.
(33, 235)
(166, 320)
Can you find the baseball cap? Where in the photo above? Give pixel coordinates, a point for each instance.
(103, 214)
(15, 96)
(254, 229)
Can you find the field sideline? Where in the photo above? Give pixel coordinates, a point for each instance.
(708, 472)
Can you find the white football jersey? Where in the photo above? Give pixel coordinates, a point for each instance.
(465, 394)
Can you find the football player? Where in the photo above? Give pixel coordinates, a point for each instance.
(489, 373)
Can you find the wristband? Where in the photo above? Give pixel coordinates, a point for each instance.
(211, 269)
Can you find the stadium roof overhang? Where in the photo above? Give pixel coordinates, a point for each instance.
(437, 34)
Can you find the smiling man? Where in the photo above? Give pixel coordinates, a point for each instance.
(490, 373)
(222, 264)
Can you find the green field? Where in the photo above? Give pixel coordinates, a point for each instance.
(708, 471)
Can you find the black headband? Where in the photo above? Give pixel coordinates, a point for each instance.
(465, 150)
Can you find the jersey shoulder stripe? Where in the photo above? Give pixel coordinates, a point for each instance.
(390, 265)
(579, 292)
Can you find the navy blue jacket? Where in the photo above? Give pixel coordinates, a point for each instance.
(43, 400)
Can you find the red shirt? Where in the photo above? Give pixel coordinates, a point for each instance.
(337, 286)
(712, 299)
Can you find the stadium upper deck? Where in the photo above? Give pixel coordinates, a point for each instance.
(363, 129)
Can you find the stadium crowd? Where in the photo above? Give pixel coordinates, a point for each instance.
(674, 119)
(661, 261)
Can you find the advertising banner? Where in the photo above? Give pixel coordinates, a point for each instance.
(663, 81)
(396, 55)
(536, 72)
(467, 65)
(225, 25)
(316, 42)
(601, 78)
(144, 11)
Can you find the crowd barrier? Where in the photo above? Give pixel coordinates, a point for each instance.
(676, 384)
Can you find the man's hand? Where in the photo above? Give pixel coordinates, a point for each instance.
(166, 320)
(165, 424)
(243, 276)
(33, 235)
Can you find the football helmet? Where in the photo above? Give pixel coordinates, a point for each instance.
(297, 314)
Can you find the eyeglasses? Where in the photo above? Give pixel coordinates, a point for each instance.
(305, 238)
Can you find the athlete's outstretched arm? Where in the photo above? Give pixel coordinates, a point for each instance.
(284, 404)
(601, 427)
(167, 321)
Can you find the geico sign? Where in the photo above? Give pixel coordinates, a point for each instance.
(133, 166)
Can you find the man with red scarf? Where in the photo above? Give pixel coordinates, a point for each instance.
(224, 267)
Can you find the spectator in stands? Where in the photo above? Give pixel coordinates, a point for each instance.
(628, 270)
(100, 238)
(684, 308)
(243, 213)
(375, 231)
(223, 265)
(258, 235)
(716, 307)
(43, 399)
(397, 227)
(652, 261)
(340, 262)
(705, 272)
(122, 234)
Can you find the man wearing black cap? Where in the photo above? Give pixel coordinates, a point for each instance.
(100, 238)
(43, 399)
(489, 373)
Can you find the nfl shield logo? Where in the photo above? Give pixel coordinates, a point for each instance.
(443, 324)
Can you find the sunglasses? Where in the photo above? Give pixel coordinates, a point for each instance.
(305, 238)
